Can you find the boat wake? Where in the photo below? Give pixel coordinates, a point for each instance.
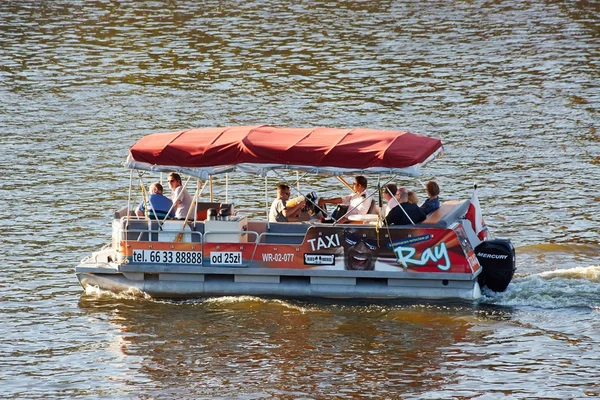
(574, 287)
(130, 294)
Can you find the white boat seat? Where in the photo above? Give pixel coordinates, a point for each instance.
(172, 228)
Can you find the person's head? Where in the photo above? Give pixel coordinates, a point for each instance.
(389, 188)
(156, 188)
(402, 195)
(360, 184)
(412, 197)
(174, 180)
(283, 191)
(360, 250)
(433, 190)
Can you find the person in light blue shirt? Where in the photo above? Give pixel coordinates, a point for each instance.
(158, 204)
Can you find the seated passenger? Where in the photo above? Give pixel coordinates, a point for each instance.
(389, 193)
(158, 204)
(359, 202)
(280, 212)
(433, 202)
(412, 197)
(406, 213)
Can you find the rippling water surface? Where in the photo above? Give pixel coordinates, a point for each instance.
(510, 87)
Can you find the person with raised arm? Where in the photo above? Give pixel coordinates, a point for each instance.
(284, 210)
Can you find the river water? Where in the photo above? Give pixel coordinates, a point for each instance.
(511, 88)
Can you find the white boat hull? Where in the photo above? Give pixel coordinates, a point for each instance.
(281, 283)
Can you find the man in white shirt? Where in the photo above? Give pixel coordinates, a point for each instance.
(389, 194)
(359, 202)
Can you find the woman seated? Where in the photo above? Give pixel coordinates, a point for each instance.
(433, 202)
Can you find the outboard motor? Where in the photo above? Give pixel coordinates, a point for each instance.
(497, 258)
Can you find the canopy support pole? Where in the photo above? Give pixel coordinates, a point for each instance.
(267, 201)
(129, 195)
(345, 183)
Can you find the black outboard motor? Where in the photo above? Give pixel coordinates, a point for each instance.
(497, 258)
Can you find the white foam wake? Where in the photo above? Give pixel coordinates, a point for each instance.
(574, 287)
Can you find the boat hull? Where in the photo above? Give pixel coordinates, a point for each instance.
(434, 260)
(207, 282)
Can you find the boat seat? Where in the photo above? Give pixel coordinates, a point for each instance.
(199, 228)
(202, 208)
(137, 229)
(448, 213)
(286, 232)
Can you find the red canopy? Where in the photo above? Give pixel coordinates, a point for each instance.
(315, 149)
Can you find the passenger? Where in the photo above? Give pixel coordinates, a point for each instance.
(359, 202)
(280, 212)
(182, 201)
(389, 198)
(159, 205)
(406, 213)
(433, 202)
(412, 197)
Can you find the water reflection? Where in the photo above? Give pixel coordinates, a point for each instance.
(285, 348)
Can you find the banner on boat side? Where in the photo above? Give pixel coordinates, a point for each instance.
(363, 248)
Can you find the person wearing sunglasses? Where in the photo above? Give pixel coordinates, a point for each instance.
(281, 211)
(182, 201)
(359, 202)
(360, 249)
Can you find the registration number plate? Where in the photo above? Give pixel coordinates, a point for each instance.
(167, 257)
(226, 258)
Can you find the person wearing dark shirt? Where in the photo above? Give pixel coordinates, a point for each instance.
(406, 213)
(433, 202)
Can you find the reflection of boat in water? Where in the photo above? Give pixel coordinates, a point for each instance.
(217, 251)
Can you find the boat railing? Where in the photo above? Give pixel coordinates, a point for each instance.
(154, 235)
(152, 231)
(230, 236)
(282, 237)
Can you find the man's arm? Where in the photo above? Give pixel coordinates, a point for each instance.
(292, 212)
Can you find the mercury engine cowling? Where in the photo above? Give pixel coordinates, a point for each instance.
(497, 258)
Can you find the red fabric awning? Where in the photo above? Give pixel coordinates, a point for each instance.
(348, 149)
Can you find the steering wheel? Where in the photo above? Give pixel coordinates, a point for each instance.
(312, 204)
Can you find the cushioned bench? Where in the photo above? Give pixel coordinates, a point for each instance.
(285, 232)
(448, 213)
